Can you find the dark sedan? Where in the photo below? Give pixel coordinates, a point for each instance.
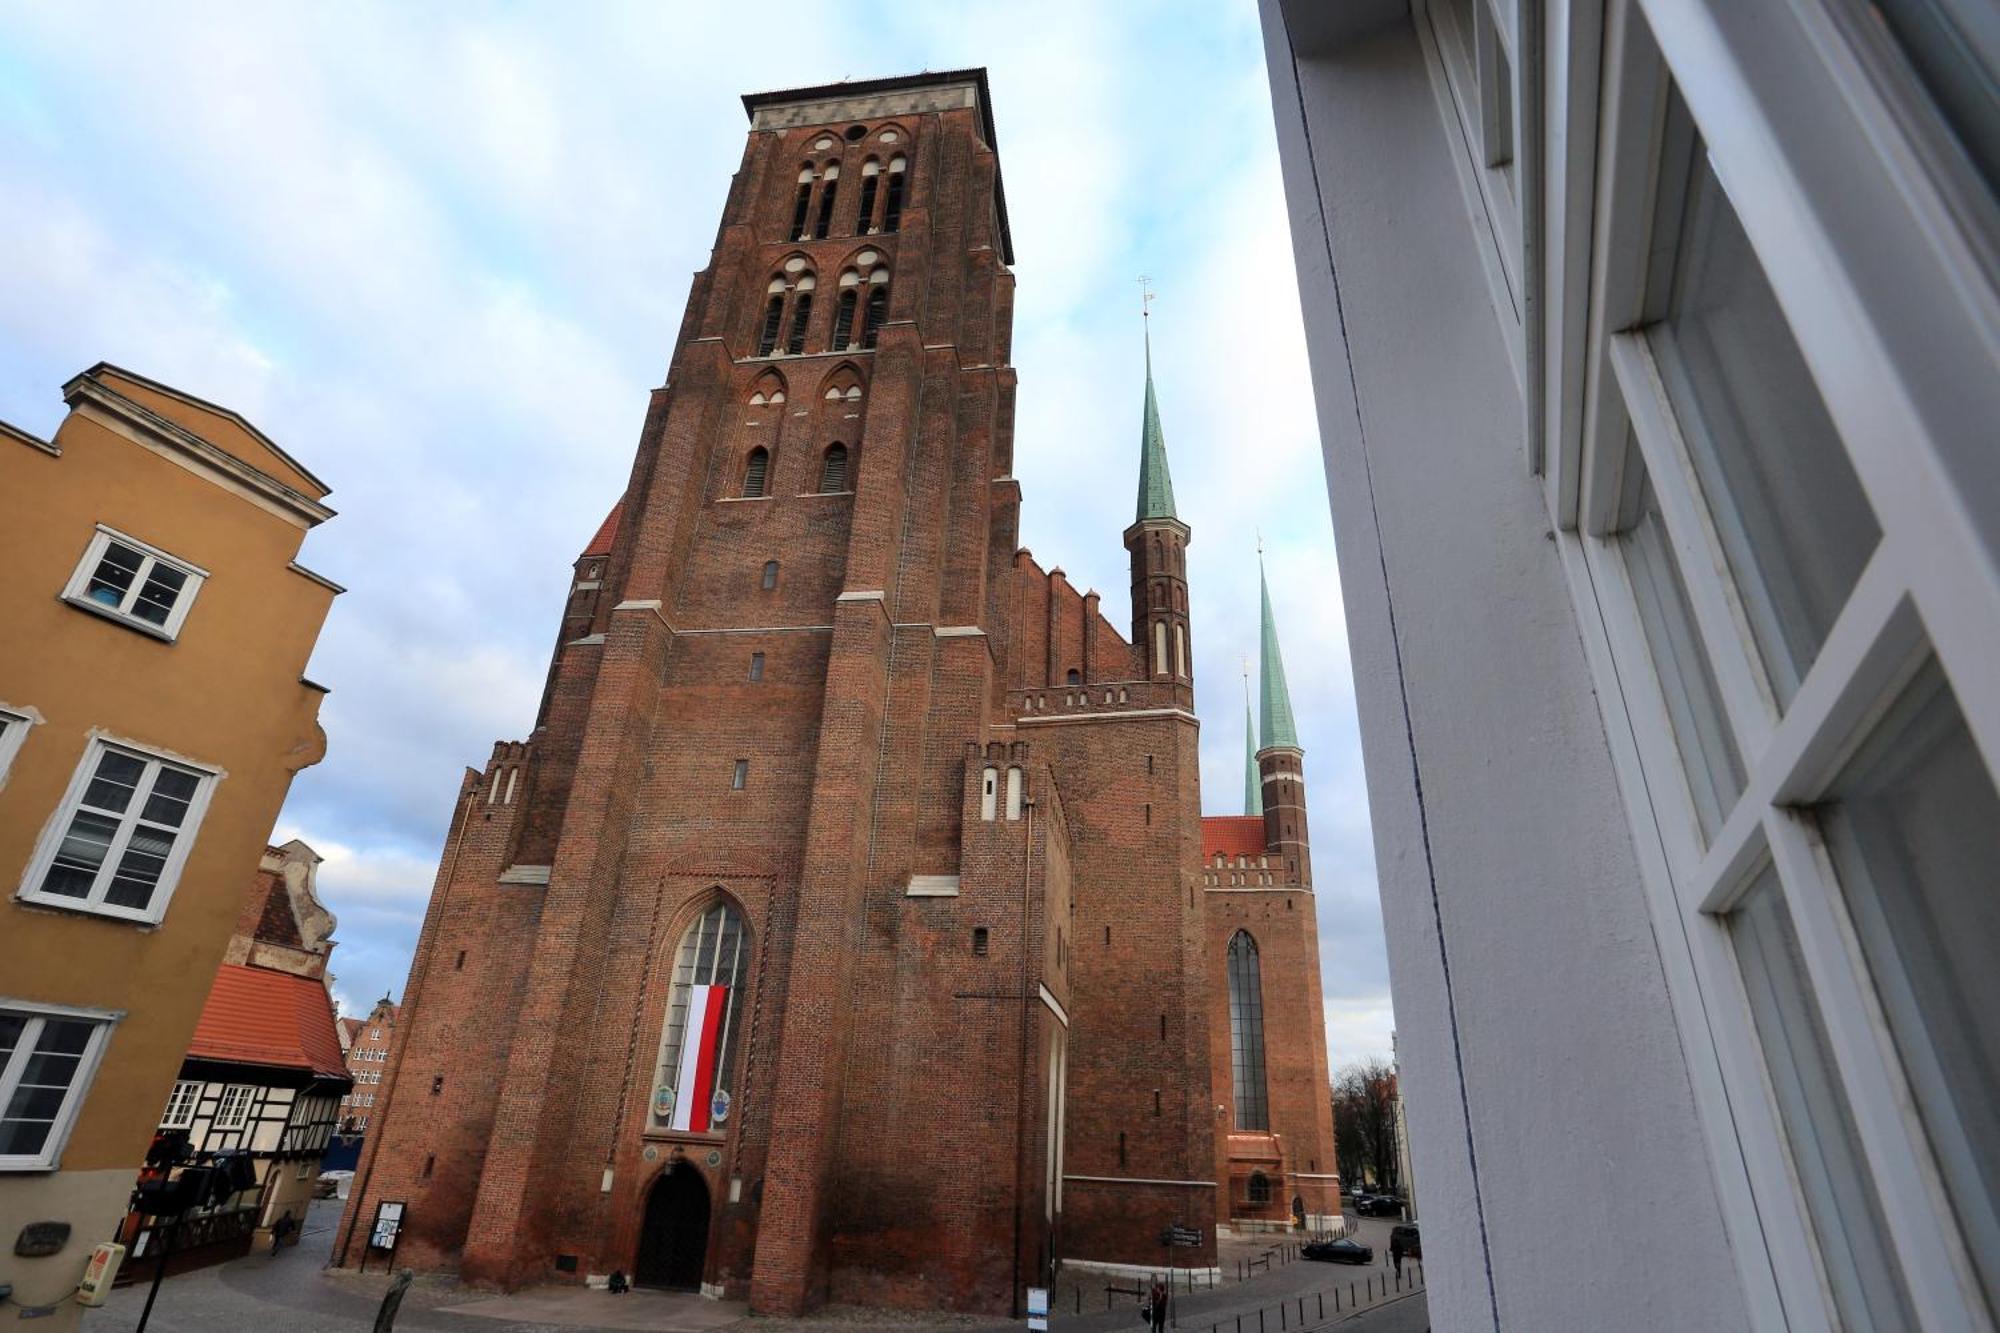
(1341, 1251)
(1378, 1205)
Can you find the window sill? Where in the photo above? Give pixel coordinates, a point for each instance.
(72, 907)
(743, 499)
(146, 628)
(824, 495)
(683, 1136)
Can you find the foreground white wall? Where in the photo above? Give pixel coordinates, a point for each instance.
(1561, 1171)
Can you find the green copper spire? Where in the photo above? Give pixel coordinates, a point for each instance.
(1275, 701)
(1156, 485)
(1253, 785)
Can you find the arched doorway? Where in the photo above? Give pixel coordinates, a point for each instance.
(674, 1244)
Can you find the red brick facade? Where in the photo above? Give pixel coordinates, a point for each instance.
(948, 815)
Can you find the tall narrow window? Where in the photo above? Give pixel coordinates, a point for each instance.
(770, 575)
(774, 315)
(826, 195)
(754, 471)
(892, 209)
(843, 316)
(1246, 1033)
(694, 1080)
(833, 472)
(756, 666)
(802, 308)
(739, 777)
(877, 311)
(801, 204)
(871, 181)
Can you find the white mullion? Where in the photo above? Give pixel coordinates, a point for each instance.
(1769, 1250)
(139, 577)
(1874, 645)
(1957, 592)
(10, 1075)
(1712, 593)
(1916, 1212)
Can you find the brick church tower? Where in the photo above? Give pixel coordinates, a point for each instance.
(1274, 1117)
(838, 932)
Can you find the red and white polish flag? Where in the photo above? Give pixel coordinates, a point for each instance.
(695, 1080)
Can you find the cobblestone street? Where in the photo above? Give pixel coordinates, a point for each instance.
(297, 1294)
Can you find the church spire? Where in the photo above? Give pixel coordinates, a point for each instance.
(1253, 782)
(1156, 485)
(1275, 699)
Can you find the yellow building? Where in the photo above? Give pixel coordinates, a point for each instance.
(154, 623)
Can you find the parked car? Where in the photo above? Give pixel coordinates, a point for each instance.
(1378, 1205)
(1413, 1246)
(1341, 1251)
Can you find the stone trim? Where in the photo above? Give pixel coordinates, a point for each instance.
(525, 875)
(933, 886)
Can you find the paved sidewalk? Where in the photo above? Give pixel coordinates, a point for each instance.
(295, 1293)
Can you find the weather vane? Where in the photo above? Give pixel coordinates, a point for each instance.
(1145, 296)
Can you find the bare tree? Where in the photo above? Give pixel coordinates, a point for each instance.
(1364, 1123)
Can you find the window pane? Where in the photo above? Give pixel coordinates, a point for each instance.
(172, 791)
(113, 577)
(1790, 512)
(1914, 832)
(82, 852)
(162, 589)
(1840, 1196)
(117, 777)
(1954, 46)
(139, 869)
(1709, 758)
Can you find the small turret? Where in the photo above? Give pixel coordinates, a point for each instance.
(1280, 761)
(1157, 541)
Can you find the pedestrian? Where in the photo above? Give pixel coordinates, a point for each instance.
(281, 1231)
(1396, 1252)
(1156, 1305)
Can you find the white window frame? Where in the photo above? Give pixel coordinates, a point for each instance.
(14, 726)
(58, 826)
(50, 1157)
(232, 1106)
(76, 594)
(1850, 261)
(1468, 98)
(179, 1113)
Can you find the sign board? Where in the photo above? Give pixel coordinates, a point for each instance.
(1182, 1236)
(1038, 1309)
(388, 1223)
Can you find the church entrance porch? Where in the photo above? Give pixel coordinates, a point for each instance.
(673, 1245)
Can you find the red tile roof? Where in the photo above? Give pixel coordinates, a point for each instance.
(1232, 835)
(607, 533)
(255, 1016)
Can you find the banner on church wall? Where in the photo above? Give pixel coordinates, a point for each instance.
(695, 1080)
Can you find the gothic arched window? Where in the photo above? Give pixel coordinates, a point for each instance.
(1246, 1033)
(826, 194)
(802, 306)
(833, 470)
(694, 1081)
(871, 181)
(877, 309)
(774, 315)
(843, 314)
(892, 210)
(756, 470)
(802, 203)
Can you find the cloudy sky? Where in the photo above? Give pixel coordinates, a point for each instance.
(439, 253)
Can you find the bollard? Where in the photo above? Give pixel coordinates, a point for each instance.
(1322, 1304)
(1282, 1318)
(392, 1301)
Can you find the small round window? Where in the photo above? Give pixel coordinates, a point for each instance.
(856, 133)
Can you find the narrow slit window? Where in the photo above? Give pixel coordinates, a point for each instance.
(979, 940)
(877, 311)
(756, 666)
(826, 196)
(892, 208)
(802, 205)
(842, 335)
(802, 309)
(770, 575)
(740, 775)
(774, 315)
(871, 180)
